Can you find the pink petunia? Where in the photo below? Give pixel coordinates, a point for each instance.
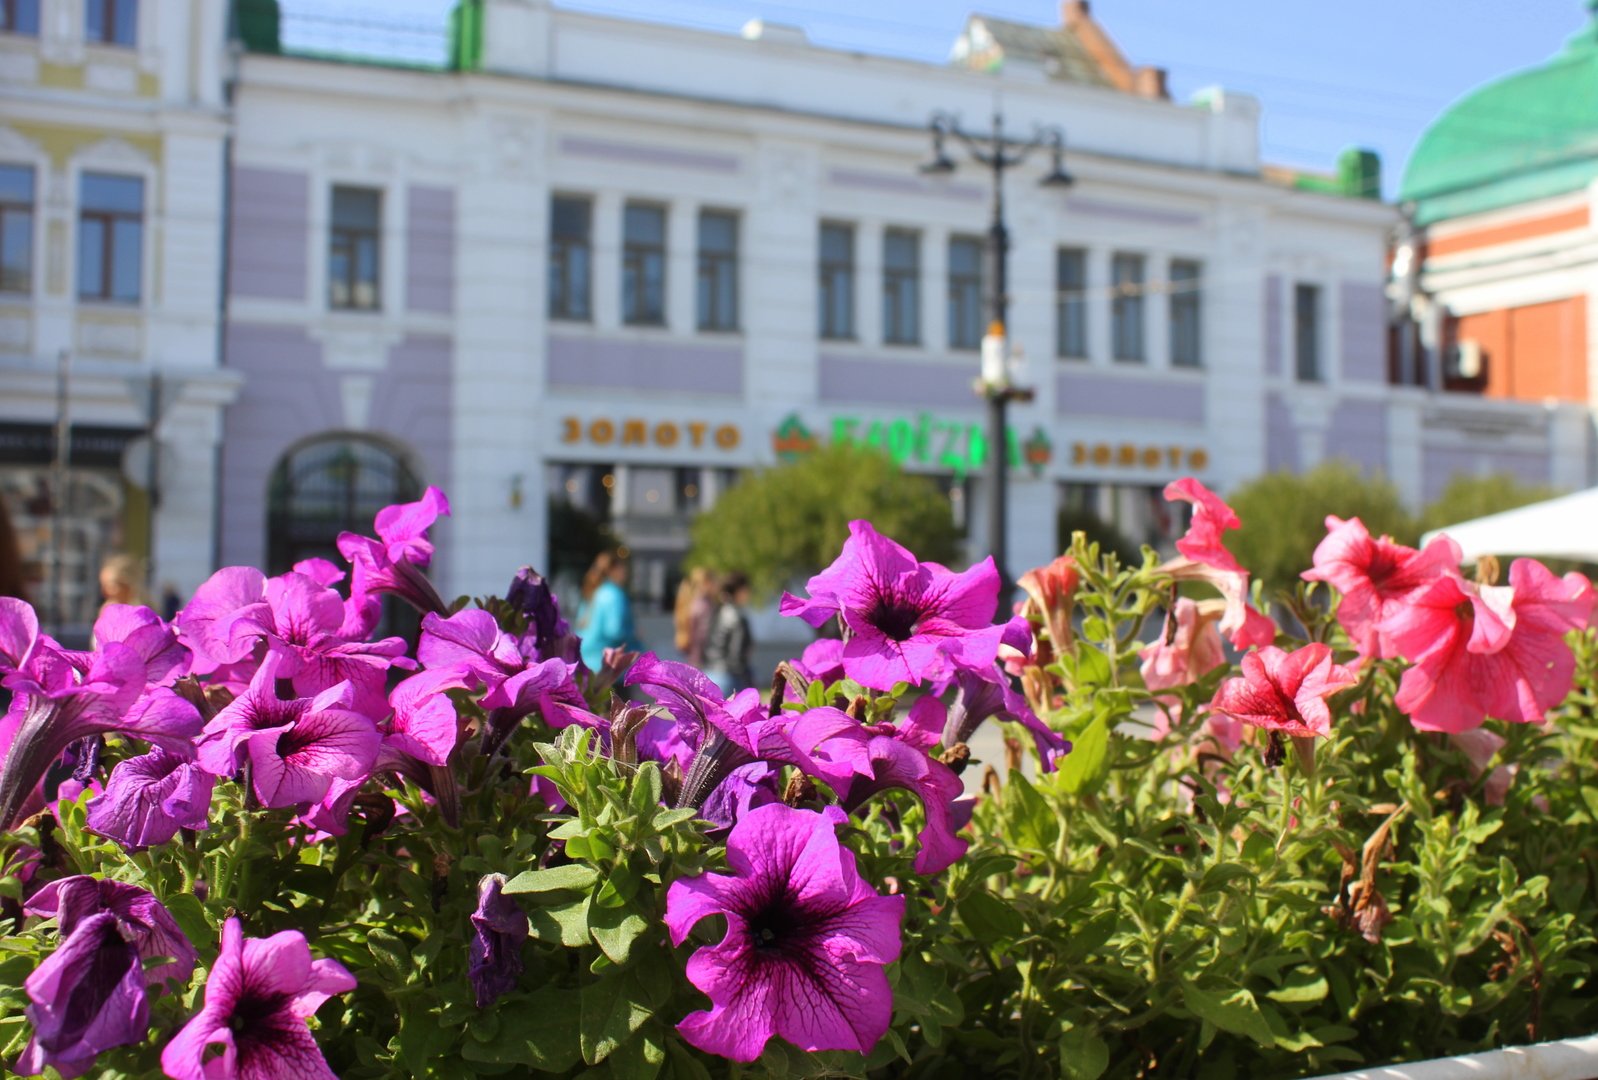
(1285, 692)
(1204, 557)
(1193, 650)
(1374, 576)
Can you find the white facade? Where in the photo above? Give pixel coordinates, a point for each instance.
(145, 110)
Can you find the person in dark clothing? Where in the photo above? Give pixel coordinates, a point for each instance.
(728, 648)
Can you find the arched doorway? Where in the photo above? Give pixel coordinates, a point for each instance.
(333, 484)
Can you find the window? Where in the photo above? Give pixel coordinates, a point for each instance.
(1070, 303)
(1307, 332)
(570, 251)
(901, 287)
(110, 22)
(16, 229)
(643, 265)
(1186, 295)
(965, 292)
(1126, 307)
(837, 281)
(110, 237)
(354, 251)
(718, 270)
(20, 17)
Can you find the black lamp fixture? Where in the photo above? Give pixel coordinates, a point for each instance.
(1056, 177)
(940, 164)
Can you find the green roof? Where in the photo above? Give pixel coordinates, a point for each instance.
(1527, 136)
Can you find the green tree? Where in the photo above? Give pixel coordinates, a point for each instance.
(1469, 497)
(781, 525)
(1284, 517)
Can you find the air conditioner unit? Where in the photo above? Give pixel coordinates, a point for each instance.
(1467, 360)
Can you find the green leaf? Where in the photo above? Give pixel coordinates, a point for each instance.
(189, 914)
(665, 819)
(640, 1057)
(571, 876)
(644, 798)
(563, 923)
(1236, 1012)
(1083, 1055)
(989, 918)
(392, 956)
(1033, 825)
(537, 1032)
(615, 930)
(612, 1008)
(1300, 987)
(1084, 767)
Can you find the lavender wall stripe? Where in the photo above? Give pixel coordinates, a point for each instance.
(1273, 324)
(858, 380)
(650, 366)
(1358, 433)
(430, 254)
(1364, 325)
(266, 251)
(1127, 212)
(293, 397)
(1079, 393)
(1281, 437)
(643, 154)
(903, 185)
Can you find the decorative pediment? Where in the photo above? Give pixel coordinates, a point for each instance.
(115, 152)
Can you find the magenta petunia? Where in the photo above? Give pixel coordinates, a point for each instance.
(149, 798)
(904, 620)
(806, 941)
(296, 748)
(19, 633)
(258, 997)
(395, 561)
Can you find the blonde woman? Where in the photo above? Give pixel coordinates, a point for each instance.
(695, 607)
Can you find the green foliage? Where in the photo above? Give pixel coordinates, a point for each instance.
(784, 524)
(1109, 538)
(1469, 497)
(1284, 517)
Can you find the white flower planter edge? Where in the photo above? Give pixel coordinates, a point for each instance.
(1569, 1059)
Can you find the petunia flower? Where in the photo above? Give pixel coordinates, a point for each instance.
(296, 748)
(1285, 692)
(904, 620)
(1051, 596)
(166, 659)
(395, 561)
(1488, 650)
(19, 633)
(1189, 650)
(806, 941)
(149, 798)
(1204, 557)
(92, 993)
(56, 705)
(549, 636)
(1375, 575)
(258, 997)
(822, 661)
(494, 956)
(981, 695)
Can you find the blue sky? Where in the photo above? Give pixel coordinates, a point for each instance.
(1329, 74)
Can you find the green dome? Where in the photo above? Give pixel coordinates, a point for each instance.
(1526, 136)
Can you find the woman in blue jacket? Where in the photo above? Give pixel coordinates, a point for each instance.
(605, 617)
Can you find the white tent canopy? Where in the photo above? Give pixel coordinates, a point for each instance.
(1562, 528)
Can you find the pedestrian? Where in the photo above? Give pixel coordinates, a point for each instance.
(122, 580)
(692, 615)
(11, 577)
(728, 648)
(605, 616)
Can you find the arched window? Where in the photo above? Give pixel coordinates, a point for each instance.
(331, 485)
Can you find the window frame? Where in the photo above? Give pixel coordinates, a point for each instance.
(836, 282)
(898, 285)
(1315, 372)
(1186, 297)
(561, 269)
(966, 296)
(351, 235)
(1071, 300)
(107, 220)
(1128, 312)
(635, 258)
(29, 213)
(109, 21)
(9, 20)
(711, 269)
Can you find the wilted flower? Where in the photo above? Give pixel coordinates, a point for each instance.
(258, 996)
(981, 695)
(1285, 692)
(1190, 648)
(149, 798)
(1051, 596)
(499, 926)
(806, 940)
(905, 620)
(1374, 576)
(549, 635)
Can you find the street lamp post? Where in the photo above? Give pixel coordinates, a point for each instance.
(997, 153)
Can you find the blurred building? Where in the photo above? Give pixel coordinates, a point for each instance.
(591, 271)
(1496, 275)
(112, 144)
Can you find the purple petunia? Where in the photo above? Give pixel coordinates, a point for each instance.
(806, 942)
(149, 798)
(904, 620)
(260, 993)
(984, 694)
(494, 956)
(395, 561)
